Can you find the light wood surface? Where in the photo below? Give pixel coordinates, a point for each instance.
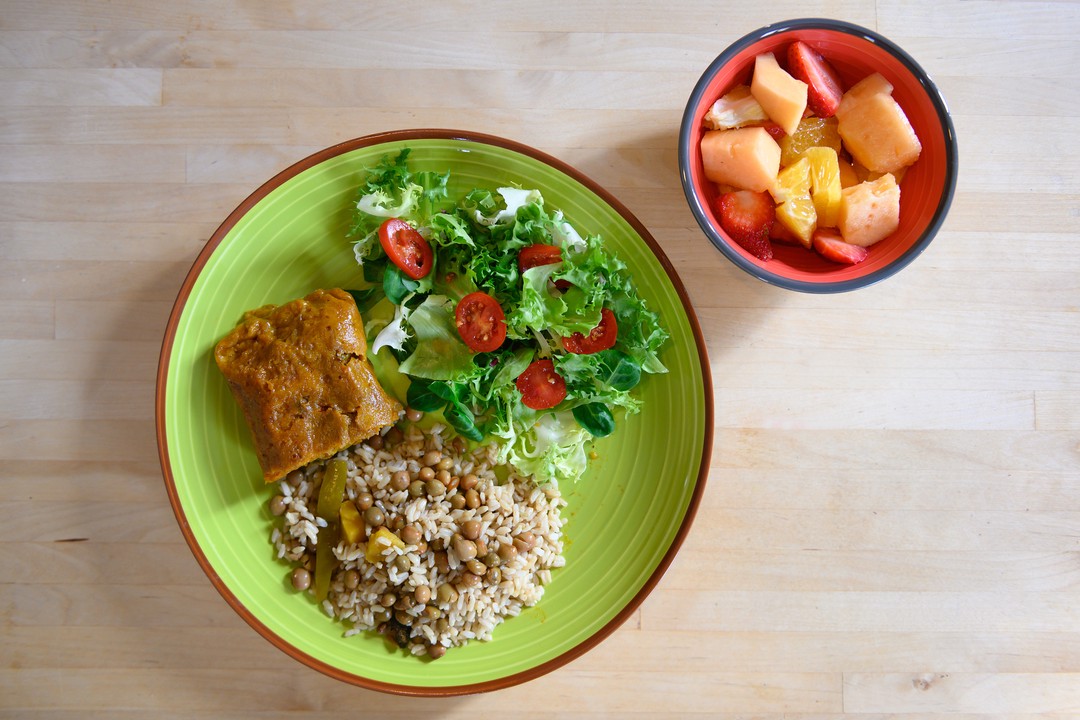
(891, 527)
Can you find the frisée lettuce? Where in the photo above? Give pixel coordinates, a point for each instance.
(476, 240)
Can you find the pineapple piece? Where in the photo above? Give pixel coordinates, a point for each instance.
(352, 525)
(745, 158)
(380, 540)
(782, 96)
(735, 109)
(869, 211)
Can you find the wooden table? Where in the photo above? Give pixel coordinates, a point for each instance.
(891, 526)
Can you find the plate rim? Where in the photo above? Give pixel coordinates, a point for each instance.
(183, 294)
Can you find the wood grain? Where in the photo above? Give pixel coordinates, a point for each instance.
(891, 527)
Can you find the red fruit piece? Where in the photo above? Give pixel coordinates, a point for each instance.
(806, 64)
(831, 246)
(775, 130)
(748, 217)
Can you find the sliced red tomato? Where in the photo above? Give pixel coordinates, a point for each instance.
(602, 336)
(540, 386)
(539, 254)
(480, 322)
(406, 248)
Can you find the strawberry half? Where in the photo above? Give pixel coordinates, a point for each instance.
(824, 92)
(748, 217)
(831, 246)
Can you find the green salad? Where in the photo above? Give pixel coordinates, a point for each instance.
(505, 319)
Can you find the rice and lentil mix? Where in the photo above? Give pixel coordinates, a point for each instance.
(467, 549)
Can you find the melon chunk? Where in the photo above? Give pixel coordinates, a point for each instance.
(870, 211)
(779, 94)
(745, 158)
(874, 128)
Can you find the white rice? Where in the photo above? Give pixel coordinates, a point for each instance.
(507, 509)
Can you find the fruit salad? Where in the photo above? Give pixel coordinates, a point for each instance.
(800, 160)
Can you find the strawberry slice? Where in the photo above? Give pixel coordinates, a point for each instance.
(806, 64)
(748, 217)
(831, 246)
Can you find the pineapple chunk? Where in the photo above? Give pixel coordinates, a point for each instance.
(735, 109)
(874, 127)
(869, 211)
(782, 96)
(379, 542)
(745, 158)
(352, 525)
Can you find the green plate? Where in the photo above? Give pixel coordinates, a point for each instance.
(626, 517)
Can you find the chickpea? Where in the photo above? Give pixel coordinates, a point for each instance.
(452, 483)
(399, 481)
(403, 617)
(388, 600)
(416, 488)
(481, 547)
(492, 559)
(494, 575)
(351, 579)
(414, 415)
(468, 482)
(436, 651)
(471, 529)
(528, 538)
(301, 579)
(393, 436)
(442, 562)
(421, 547)
(472, 499)
(457, 501)
(364, 500)
(422, 594)
(445, 464)
(426, 474)
(432, 457)
(476, 567)
(442, 624)
(278, 505)
(432, 612)
(443, 476)
(435, 488)
(375, 442)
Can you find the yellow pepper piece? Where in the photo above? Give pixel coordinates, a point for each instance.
(825, 186)
(796, 208)
(352, 525)
(379, 542)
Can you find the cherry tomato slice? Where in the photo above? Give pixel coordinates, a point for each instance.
(406, 248)
(532, 256)
(540, 386)
(539, 254)
(480, 322)
(602, 336)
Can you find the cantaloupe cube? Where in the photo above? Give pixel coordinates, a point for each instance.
(870, 211)
(782, 96)
(746, 158)
(874, 127)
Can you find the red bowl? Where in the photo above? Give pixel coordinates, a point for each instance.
(925, 192)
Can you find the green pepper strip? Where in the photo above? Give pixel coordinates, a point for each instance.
(330, 496)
